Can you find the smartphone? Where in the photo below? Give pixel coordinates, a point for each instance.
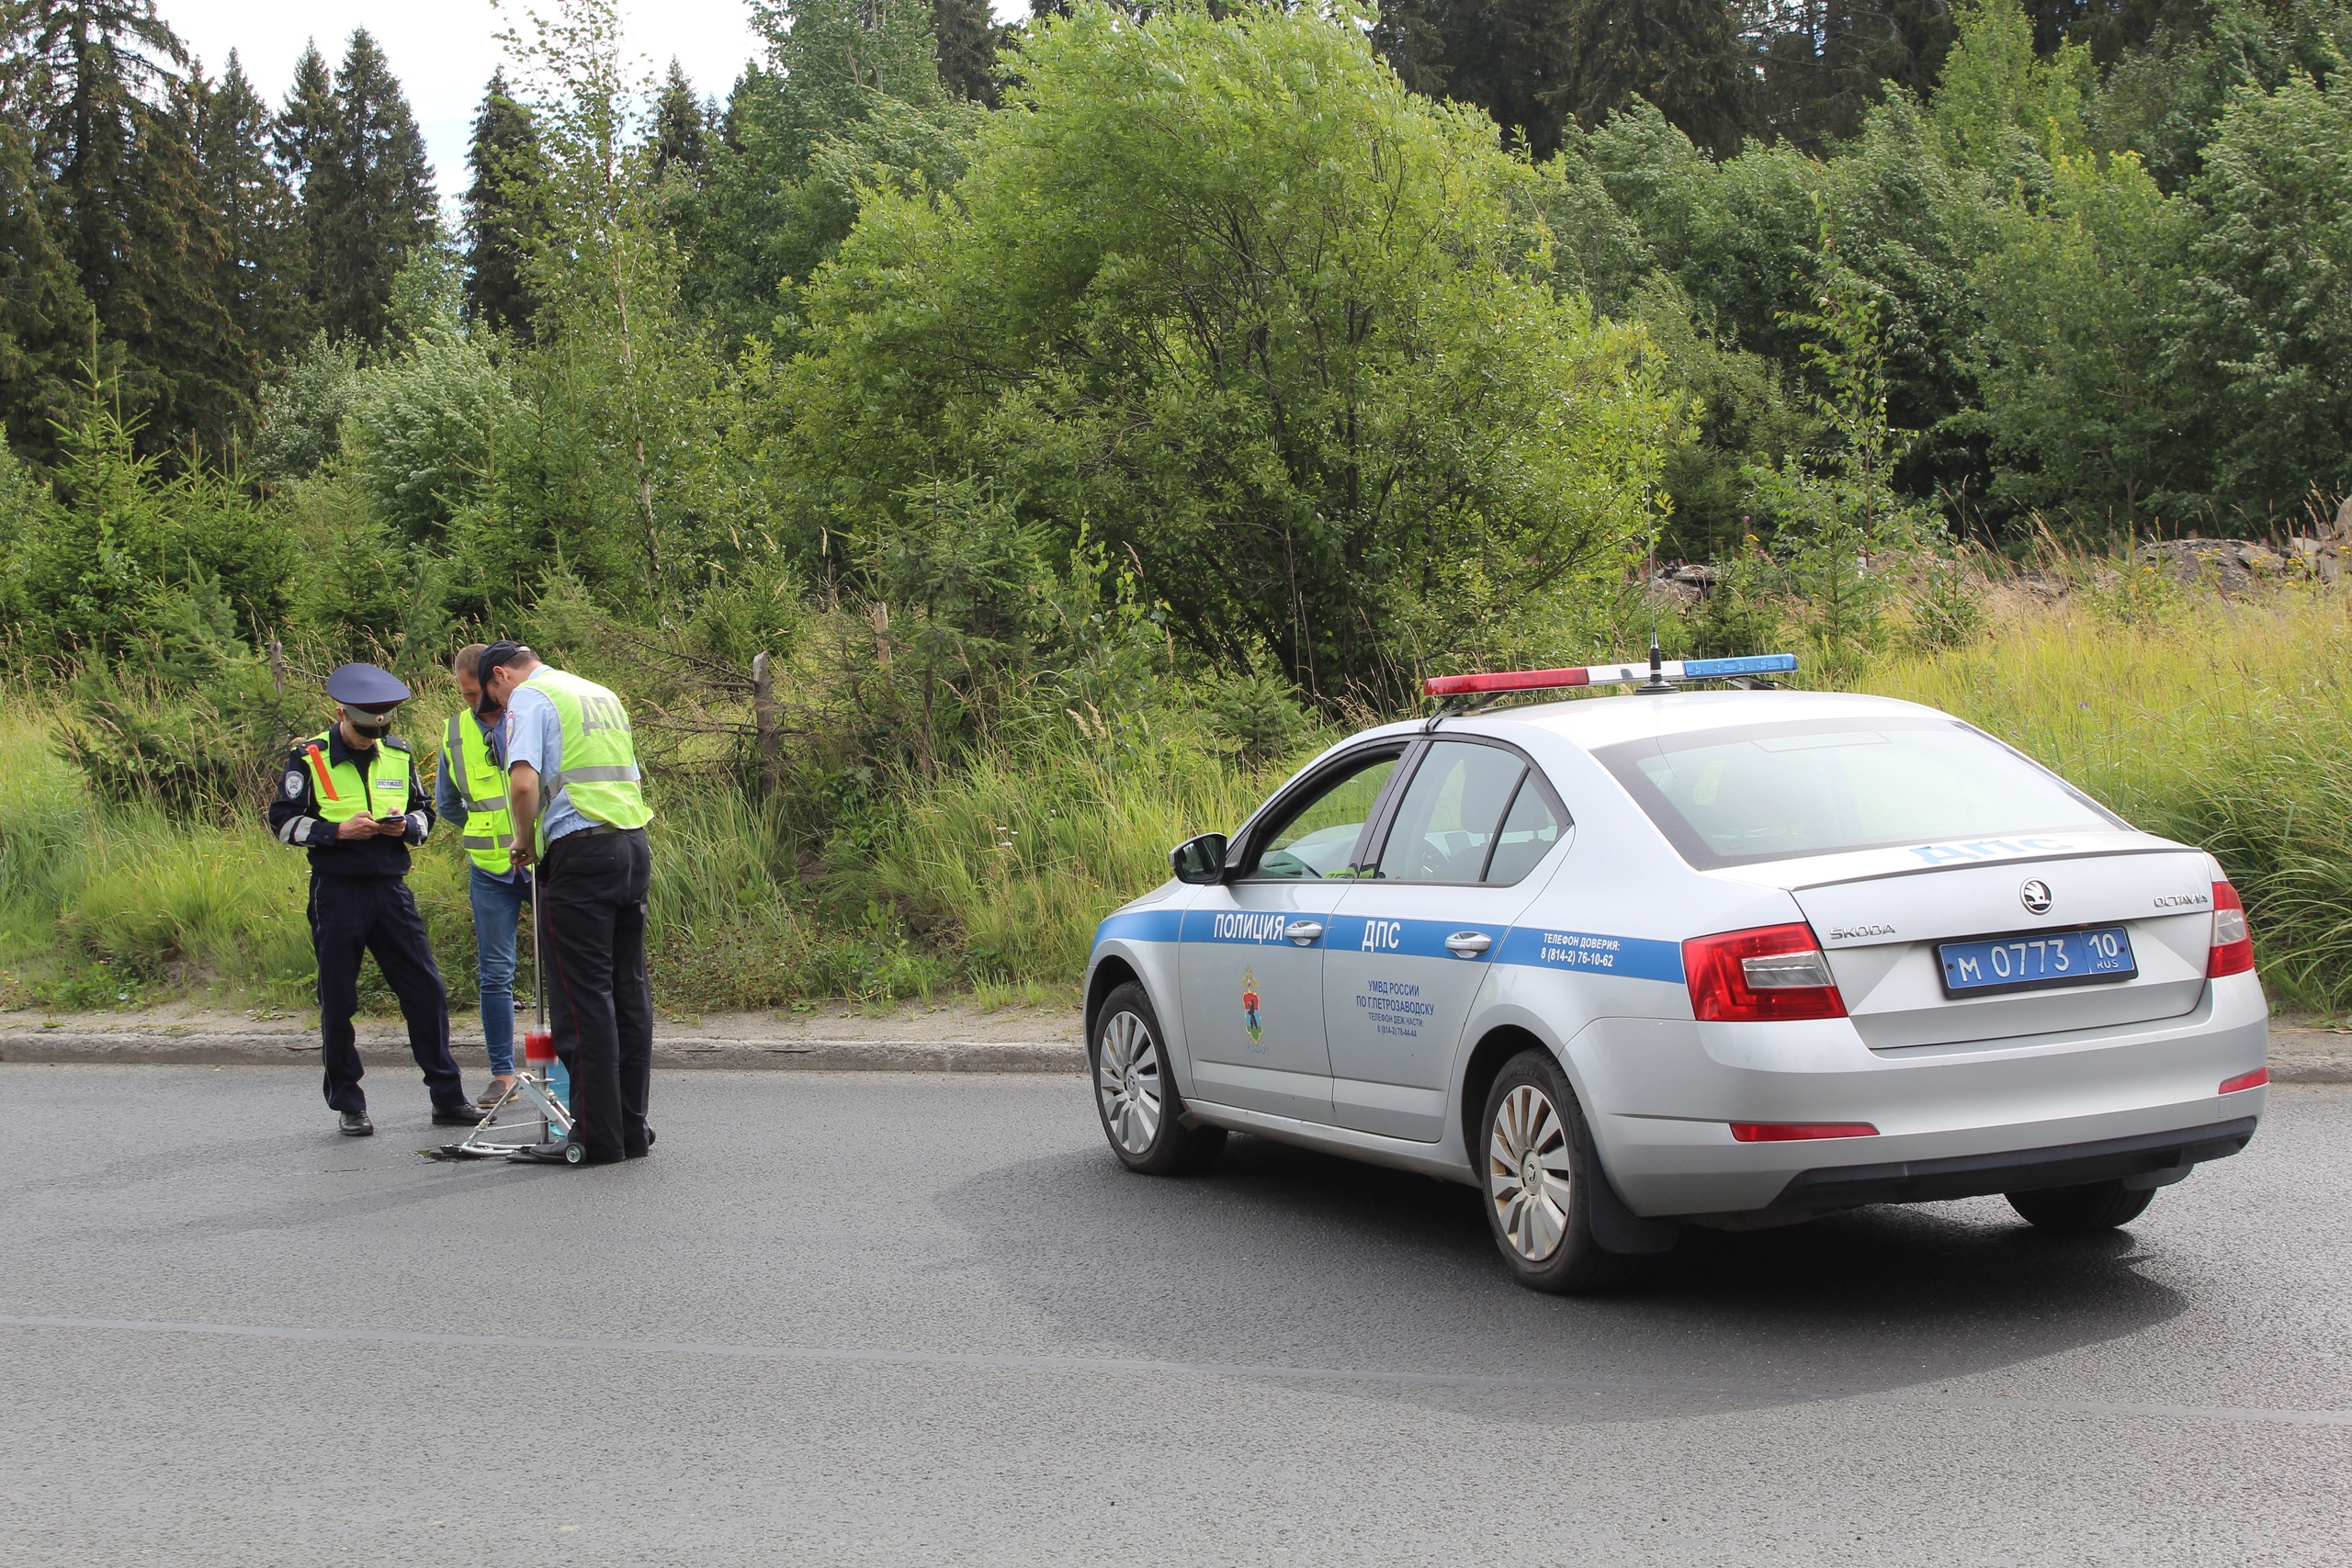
(392, 822)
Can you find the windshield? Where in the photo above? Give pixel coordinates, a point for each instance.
(1815, 787)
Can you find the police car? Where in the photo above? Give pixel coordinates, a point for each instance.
(1726, 957)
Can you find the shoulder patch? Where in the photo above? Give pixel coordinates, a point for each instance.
(294, 783)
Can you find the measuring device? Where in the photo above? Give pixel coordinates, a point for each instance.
(539, 1092)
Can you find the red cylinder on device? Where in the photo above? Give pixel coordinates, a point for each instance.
(538, 1045)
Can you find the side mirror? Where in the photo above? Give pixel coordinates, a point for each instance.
(1200, 860)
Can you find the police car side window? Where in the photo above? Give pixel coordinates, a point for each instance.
(1530, 830)
(1317, 838)
(1445, 825)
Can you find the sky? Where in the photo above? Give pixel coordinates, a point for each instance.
(443, 50)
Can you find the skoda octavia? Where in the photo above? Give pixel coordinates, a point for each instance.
(1729, 958)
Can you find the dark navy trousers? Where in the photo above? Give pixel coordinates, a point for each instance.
(592, 896)
(351, 916)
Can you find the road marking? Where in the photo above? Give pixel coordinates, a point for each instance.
(1197, 1369)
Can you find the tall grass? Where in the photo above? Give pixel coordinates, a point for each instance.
(2227, 725)
(1016, 861)
(2224, 724)
(100, 905)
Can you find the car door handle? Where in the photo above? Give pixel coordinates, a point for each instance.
(1303, 932)
(1469, 944)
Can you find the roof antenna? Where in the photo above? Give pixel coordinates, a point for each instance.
(1657, 684)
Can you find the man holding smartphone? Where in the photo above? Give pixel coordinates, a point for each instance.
(352, 798)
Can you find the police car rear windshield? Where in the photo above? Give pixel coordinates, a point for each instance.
(1767, 792)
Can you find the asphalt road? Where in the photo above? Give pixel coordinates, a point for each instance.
(865, 1318)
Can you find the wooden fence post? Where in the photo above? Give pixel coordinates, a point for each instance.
(763, 716)
(277, 666)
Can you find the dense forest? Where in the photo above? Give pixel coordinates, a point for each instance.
(1421, 313)
(1213, 369)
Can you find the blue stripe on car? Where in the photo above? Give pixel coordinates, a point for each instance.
(1534, 947)
(1628, 957)
(1141, 925)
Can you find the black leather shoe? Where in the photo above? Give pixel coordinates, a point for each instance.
(458, 1116)
(640, 1154)
(557, 1153)
(355, 1124)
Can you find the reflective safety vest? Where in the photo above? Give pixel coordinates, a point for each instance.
(340, 793)
(599, 775)
(481, 786)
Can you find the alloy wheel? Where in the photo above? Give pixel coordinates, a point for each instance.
(1126, 1080)
(1529, 1178)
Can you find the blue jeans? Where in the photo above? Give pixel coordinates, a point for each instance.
(497, 916)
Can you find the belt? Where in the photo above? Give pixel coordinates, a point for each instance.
(593, 830)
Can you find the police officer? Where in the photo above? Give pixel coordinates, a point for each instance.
(579, 812)
(470, 794)
(352, 798)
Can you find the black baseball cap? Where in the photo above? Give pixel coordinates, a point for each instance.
(497, 655)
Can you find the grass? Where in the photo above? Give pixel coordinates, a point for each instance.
(2227, 725)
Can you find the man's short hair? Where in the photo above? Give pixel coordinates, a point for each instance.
(468, 659)
(498, 655)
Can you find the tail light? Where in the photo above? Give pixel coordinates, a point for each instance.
(2233, 938)
(1790, 1132)
(1770, 974)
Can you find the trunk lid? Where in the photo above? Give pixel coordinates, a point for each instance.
(1881, 916)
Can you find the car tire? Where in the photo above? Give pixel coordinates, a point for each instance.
(2096, 1206)
(1136, 1095)
(1536, 1169)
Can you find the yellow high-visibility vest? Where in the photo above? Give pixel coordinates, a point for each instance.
(481, 786)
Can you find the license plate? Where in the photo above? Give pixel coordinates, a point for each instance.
(2037, 962)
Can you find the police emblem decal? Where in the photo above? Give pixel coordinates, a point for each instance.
(1249, 1006)
(294, 783)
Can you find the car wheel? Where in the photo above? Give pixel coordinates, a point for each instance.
(1538, 1169)
(2098, 1206)
(1136, 1095)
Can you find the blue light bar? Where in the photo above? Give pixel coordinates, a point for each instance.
(1754, 664)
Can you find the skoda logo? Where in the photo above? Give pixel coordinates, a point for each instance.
(2035, 896)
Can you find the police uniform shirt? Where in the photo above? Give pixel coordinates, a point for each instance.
(294, 813)
(534, 739)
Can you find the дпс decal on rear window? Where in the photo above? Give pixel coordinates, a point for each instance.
(1989, 849)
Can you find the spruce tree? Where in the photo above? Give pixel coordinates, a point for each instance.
(86, 65)
(500, 209)
(199, 376)
(303, 125)
(1823, 63)
(1537, 65)
(679, 125)
(114, 123)
(373, 197)
(969, 39)
(260, 273)
(45, 320)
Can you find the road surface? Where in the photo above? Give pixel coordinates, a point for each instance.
(899, 1319)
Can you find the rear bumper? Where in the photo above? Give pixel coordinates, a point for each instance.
(1951, 1121)
(2150, 1159)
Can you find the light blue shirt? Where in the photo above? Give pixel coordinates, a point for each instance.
(534, 735)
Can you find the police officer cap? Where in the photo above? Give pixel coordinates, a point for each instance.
(365, 686)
